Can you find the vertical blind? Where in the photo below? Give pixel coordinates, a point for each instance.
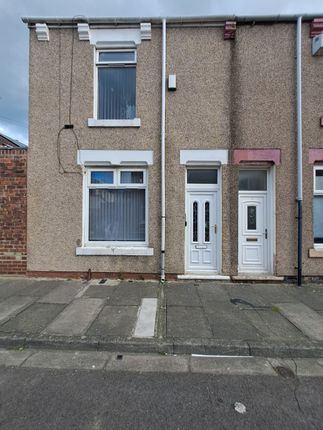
(117, 215)
(117, 92)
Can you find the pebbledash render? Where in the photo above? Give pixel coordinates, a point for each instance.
(213, 154)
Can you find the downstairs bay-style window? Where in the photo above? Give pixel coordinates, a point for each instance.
(318, 207)
(115, 212)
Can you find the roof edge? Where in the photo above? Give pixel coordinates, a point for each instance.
(174, 20)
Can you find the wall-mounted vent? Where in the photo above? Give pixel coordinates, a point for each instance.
(317, 45)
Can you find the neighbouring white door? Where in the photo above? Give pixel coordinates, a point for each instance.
(201, 232)
(254, 221)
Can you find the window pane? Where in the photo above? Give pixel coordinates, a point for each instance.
(319, 180)
(132, 178)
(117, 93)
(101, 177)
(252, 218)
(202, 176)
(318, 219)
(117, 215)
(253, 180)
(117, 56)
(195, 221)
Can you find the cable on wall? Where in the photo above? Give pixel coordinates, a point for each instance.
(68, 127)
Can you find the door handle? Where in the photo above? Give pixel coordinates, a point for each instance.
(215, 228)
(266, 233)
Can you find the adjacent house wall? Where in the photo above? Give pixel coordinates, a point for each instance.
(13, 211)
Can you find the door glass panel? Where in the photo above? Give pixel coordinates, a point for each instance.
(253, 180)
(195, 222)
(207, 222)
(252, 218)
(202, 176)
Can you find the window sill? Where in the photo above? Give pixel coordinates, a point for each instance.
(315, 253)
(117, 250)
(92, 122)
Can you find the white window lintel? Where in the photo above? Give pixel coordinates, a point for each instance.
(204, 156)
(114, 157)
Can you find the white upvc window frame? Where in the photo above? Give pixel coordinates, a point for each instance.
(318, 246)
(95, 121)
(87, 186)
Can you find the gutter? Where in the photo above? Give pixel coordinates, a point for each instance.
(299, 148)
(162, 152)
(170, 20)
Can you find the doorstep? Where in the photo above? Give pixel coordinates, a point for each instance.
(196, 276)
(257, 278)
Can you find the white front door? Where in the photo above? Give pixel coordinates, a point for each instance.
(201, 231)
(253, 235)
(254, 222)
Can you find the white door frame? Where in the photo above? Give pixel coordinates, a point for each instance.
(271, 218)
(205, 188)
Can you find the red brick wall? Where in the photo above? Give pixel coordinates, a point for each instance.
(13, 211)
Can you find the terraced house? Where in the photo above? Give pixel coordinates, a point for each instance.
(181, 147)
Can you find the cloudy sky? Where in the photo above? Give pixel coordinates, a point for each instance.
(14, 36)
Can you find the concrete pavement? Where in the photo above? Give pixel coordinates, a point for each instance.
(179, 317)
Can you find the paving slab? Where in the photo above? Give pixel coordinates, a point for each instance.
(13, 305)
(63, 294)
(148, 363)
(100, 291)
(114, 321)
(312, 297)
(272, 325)
(11, 288)
(187, 322)
(248, 293)
(304, 318)
(89, 360)
(229, 322)
(303, 367)
(12, 357)
(33, 320)
(145, 325)
(182, 295)
(131, 293)
(40, 288)
(231, 366)
(76, 317)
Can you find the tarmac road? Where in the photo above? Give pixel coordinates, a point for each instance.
(34, 398)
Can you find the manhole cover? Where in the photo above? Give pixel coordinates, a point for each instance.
(285, 372)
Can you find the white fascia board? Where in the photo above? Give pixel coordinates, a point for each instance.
(115, 38)
(114, 157)
(204, 156)
(117, 250)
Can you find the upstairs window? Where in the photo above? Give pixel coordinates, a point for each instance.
(116, 84)
(318, 207)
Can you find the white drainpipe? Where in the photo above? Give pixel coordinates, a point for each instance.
(162, 152)
(299, 147)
